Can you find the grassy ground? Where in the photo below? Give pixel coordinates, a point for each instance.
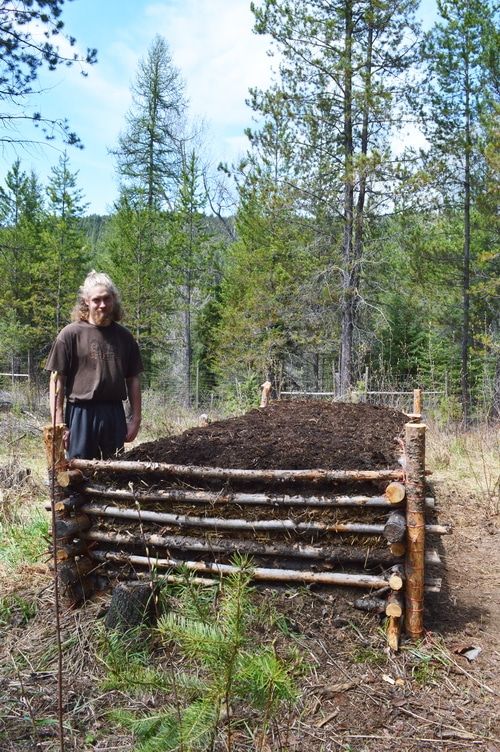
(354, 695)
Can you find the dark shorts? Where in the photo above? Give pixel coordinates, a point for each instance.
(97, 430)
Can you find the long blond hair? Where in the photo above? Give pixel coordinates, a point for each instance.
(81, 310)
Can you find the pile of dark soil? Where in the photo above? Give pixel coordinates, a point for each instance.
(288, 435)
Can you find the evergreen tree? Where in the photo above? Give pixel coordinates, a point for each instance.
(23, 56)
(340, 82)
(191, 257)
(149, 154)
(21, 216)
(63, 258)
(459, 94)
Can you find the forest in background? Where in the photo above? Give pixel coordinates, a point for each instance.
(334, 247)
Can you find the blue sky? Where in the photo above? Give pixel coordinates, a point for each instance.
(212, 44)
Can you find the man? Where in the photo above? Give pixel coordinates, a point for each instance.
(95, 363)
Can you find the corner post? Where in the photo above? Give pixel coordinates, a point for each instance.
(415, 527)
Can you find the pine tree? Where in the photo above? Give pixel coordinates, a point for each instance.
(341, 76)
(149, 154)
(459, 94)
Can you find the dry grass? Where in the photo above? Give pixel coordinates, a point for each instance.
(469, 459)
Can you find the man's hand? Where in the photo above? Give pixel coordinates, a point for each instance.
(134, 396)
(133, 426)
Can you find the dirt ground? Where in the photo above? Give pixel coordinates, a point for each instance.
(357, 696)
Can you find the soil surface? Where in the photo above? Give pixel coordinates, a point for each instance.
(288, 435)
(438, 694)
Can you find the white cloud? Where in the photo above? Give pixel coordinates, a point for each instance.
(219, 56)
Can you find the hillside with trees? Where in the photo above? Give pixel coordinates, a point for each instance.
(348, 249)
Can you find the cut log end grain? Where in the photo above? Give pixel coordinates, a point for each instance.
(395, 492)
(394, 605)
(67, 478)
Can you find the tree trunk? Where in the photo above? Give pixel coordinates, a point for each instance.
(347, 281)
(464, 376)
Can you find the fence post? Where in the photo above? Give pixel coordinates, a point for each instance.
(415, 527)
(417, 402)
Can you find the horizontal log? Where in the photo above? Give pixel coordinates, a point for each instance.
(331, 554)
(219, 523)
(373, 605)
(67, 478)
(394, 604)
(70, 503)
(433, 584)
(258, 573)
(395, 492)
(73, 571)
(165, 518)
(256, 499)
(165, 470)
(67, 527)
(395, 527)
(432, 556)
(445, 529)
(398, 548)
(70, 550)
(396, 577)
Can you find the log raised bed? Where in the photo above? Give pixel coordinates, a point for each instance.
(142, 517)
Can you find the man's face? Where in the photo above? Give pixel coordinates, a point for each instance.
(100, 302)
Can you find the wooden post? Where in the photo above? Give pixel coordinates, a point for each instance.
(417, 402)
(415, 528)
(266, 388)
(65, 526)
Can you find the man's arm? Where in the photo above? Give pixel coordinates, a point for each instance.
(134, 397)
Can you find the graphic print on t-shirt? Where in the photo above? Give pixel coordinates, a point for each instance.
(102, 351)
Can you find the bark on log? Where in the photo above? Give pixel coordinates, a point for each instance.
(70, 503)
(433, 584)
(69, 550)
(67, 527)
(373, 605)
(393, 632)
(415, 534)
(132, 605)
(394, 604)
(53, 437)
(165, 470)
(395, 527)
(241, 499)
(331, 554)
(182, 520)
(80, 591)
(75, 570)
(395, 492)
(258, 573)
(67, 478)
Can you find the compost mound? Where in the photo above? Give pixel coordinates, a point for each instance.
(288, 435)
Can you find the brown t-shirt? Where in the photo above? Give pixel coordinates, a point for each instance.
(95, 360)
